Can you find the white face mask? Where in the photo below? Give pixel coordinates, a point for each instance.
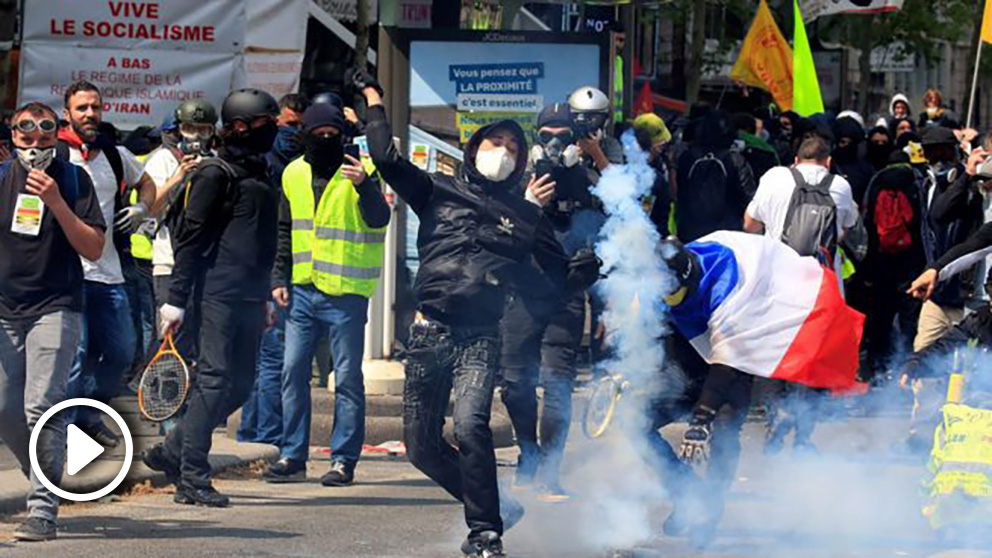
(35, 157)
(496, 164)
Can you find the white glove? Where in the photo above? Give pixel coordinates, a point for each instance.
(130, 218)
(170, 318)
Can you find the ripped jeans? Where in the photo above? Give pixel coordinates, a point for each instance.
(439, 359)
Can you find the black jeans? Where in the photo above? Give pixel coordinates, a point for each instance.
(887, 303)
(440, 359)
(229, 338)
(540, 346)
(729, 392)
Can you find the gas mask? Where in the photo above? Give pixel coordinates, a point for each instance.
(195, 144)
(558, 149)
(495, 164)
(35, 157)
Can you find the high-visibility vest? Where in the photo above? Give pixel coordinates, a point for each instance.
(334, 250)
(141, 245)
(961, 465)
(618, 90)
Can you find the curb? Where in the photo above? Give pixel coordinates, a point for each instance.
(13, 496)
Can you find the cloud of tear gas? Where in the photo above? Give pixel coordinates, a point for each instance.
(617, 491)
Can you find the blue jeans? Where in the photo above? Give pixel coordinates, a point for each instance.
(106, 348)
(261, 415)
(138, 285)
(311, 314)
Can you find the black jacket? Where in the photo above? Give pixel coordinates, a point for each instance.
(976, 326)
(954, 213)
(881, 267)
(477, 237)
(226, 238)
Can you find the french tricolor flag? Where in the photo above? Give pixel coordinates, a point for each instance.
(765, 310)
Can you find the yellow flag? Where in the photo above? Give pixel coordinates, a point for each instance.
(987, 23)
(765, 60)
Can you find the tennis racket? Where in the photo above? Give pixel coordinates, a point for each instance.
(164, 383)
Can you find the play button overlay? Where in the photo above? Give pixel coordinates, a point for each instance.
(81, 450)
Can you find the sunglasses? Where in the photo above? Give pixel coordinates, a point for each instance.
(27, 126)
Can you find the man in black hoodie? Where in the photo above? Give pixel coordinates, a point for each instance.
(846, 157)
(225, 245)
(477, 238)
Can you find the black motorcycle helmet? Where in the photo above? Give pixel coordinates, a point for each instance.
(684, 265)
(247, 105)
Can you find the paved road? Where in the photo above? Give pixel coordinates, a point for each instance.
(848, 502)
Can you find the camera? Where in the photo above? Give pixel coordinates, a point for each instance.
(587, 124)
(194, 147)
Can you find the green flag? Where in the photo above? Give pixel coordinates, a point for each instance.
(806, 99)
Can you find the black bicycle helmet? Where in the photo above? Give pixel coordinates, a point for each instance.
(684, 265)
(247, 105)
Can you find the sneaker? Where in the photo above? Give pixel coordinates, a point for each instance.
(206, 496)
(156, 459)
(36, 529)
(341, 474)
(486, 544)
(553, 493)
(285, 470)
(99, 432)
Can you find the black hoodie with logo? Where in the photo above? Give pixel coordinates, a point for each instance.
(477, 237)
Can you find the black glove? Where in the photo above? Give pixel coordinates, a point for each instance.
(583, 269)
(360, 79)
(696, 440)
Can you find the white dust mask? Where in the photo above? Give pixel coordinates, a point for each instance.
(495, 164)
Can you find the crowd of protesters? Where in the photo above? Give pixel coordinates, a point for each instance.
(254, 234)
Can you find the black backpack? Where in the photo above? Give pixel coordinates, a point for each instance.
(811, 221)
(175, 209)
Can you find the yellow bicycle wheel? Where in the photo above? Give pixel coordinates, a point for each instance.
(602, 406)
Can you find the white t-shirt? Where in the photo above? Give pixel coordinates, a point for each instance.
(108, 268)
(160, 166)
(771, 201)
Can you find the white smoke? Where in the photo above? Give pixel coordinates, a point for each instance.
(617, 490)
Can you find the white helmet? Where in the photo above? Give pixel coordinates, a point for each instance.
(590, 111)
(589, 99)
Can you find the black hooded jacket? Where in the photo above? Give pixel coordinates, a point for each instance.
(477, 237)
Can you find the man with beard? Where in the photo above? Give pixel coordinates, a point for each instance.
(106, 350)
(846, 156)
(332, 221)
(477, 238)
(225, 245)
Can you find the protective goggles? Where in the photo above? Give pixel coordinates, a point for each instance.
(26, 125)
(546, 137)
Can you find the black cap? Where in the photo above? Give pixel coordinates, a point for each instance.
(322, 114)
(328, 97)
(556, 115)
(938, 135)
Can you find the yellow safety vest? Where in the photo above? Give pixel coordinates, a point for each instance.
(961, 465)
(333, 250)
(618, 90)
(141, 245)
